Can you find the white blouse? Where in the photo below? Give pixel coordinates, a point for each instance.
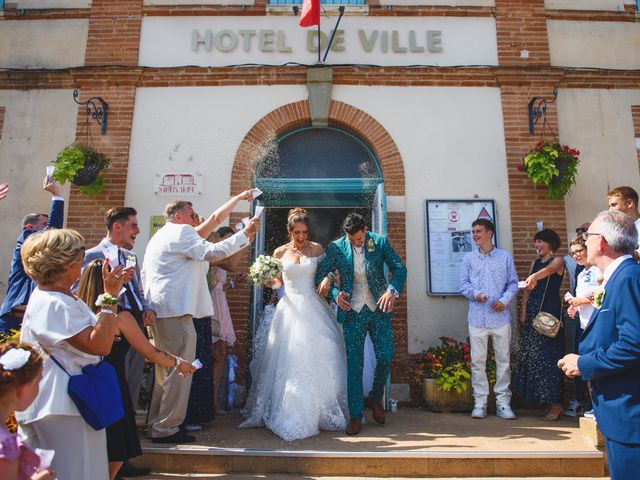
(50, 319)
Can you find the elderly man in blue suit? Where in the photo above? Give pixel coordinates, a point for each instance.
(365, 300)
(609, 353)
(20, 286)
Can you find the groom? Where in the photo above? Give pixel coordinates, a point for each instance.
(366, 300)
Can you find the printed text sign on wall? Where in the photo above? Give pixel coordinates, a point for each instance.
(178, 184)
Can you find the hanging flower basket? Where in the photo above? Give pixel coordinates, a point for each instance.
(81, 165)
(553, 165)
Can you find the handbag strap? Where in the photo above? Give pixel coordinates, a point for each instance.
(545, 294)
(55, 360)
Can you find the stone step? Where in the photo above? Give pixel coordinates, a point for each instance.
(433, 463)
(224, 476)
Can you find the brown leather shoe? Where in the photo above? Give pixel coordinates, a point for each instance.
(378, 413)
(354, 427)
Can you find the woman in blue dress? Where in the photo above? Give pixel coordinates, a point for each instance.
(538, 378)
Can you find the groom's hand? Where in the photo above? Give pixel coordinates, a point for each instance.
(342, 301)
(386, 301)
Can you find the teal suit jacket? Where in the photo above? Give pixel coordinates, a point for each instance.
(377, 253)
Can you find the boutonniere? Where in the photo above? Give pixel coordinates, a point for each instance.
(371, 246)
(598, 298)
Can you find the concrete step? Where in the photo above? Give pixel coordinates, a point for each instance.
(207, 476)
(433, 463)
(413, 443)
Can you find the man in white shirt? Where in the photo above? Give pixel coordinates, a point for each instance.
(625, 200)
(174, 277)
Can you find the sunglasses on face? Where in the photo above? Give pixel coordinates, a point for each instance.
(580, 230)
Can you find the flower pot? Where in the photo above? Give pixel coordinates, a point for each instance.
(440, 401)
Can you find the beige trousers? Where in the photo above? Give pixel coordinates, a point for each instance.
(170, 396)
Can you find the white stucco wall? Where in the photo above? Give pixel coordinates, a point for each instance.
(611, 5)
(594, 44)
(435, 129)
(599, 124)
(43, 43)
(37, 124)
(38, 4)
(191, 129)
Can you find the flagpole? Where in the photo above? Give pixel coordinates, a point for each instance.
(333, 34)
(319, 61)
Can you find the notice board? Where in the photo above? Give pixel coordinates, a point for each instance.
(449, 239)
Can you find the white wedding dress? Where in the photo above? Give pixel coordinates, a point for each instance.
(300, 379)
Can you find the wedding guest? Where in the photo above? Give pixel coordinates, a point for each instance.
(537, 382)
(19, 285)
(123, 443)
(609, 355)
(227, 336)
(490, 282)
(625, 200)
(200, 405)
(69, 331)
(581, 304)
(20, 375)
(175, 265)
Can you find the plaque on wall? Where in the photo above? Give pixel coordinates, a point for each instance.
(449, 239)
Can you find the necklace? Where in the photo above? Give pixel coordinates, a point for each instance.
(299, 251)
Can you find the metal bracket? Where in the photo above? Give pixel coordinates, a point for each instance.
(97, 112)
(538, 109)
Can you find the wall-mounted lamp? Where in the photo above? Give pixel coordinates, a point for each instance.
(389, 8)
(97, 112)
(243, 7)
(538, 109)
(295, 9)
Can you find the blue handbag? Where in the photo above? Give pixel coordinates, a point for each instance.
(96, 393)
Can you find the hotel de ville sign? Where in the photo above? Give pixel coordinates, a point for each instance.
(278, 40)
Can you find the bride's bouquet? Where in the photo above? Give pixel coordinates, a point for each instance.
(265, 269)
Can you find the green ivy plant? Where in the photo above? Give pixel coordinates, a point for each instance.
(553, 165)
(454, 377)
(75, 157)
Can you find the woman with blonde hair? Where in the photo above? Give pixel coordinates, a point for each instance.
(300, 384)
(122, 437)
(70, 331)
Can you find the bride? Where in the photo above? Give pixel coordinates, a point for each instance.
(300, 379)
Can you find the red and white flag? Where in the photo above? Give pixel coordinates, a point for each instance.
(310, 13)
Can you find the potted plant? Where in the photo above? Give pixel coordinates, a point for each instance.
(553, 165)
(445, 373)
(81, 165)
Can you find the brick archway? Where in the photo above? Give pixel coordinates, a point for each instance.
(296, 115)
(255, 146)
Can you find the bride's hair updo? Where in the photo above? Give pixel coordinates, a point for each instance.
(297, 215)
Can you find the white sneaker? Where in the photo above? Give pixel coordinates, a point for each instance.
(479, 411)
(589, 414)
(504, 411)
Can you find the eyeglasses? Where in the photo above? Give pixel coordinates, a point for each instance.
(586, 235)
(577, 253)
(580, 230)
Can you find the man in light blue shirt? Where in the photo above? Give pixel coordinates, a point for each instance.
(490, 282)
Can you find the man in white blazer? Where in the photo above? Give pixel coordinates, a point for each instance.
(174, 277)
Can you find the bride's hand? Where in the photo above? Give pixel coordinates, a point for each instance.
(323, 288)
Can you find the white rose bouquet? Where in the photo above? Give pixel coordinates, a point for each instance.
(265, 269)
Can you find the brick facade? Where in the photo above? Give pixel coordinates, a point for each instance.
(524, 71)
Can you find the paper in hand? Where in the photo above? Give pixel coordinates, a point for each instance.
(522, 284)
(130, 261)
(239, 226)
(257, 192)
(50, 170)
(567, 296)
(46, 457)
(245, 221)
(258, 211)
(111, 254)
(197, 363)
